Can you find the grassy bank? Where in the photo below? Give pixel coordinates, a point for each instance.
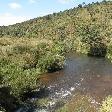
(22, 61)
(83, 103)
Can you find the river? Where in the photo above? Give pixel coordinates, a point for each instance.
(90, 76)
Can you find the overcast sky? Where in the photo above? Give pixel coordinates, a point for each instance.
(15, 11)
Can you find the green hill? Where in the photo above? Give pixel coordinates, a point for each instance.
(81, 25)
(67, 23)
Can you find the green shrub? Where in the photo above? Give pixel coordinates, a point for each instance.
(109, 51)
(63, 109)
(51, 62)
(50, 57)
(17, 79)
(21, 70)
(21, 66)
(106, 105)
(19, 49)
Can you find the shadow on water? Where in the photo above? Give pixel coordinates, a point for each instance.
(98, 50)
(11, 104)
(42, 92)
(29, 99)
(8, 101)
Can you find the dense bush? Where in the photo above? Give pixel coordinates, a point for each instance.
(106, 105)
(22, 64)
(84, 29)
(16, 78)
(51, 62)
(109, 50)
(51, 58)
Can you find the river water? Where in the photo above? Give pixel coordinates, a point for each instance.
(82, 74)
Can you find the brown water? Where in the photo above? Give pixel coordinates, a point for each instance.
(88, 75)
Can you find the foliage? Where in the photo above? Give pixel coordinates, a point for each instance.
(52, 59)
(43, 102)
(109, 50)
(81, 103)
(80, 29)
(21, 65)
(106, 105)
(17, 79)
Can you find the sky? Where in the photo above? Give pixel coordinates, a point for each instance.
(16, 11)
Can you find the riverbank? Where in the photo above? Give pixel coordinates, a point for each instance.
(77, 87)
(22, 61)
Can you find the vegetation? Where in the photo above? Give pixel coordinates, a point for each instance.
(22, 62)
(85, 29)
(106, 105)
(39, 45)
(79, 103)
(83, 103)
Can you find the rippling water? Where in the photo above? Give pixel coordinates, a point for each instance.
(87, 75)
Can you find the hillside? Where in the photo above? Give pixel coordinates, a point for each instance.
(66, 24)
(92, 21)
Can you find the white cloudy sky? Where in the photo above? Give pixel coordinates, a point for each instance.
(16, 11)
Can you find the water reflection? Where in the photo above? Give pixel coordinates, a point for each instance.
(89, 75)
(82, 78)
